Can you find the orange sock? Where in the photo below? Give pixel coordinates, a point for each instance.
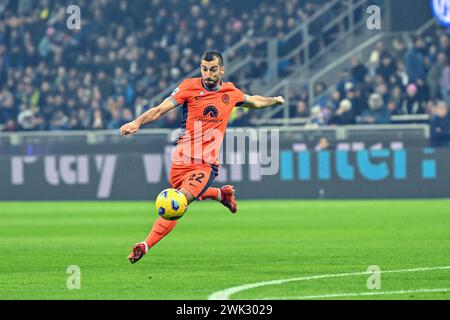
(160, 229)
(211, 193)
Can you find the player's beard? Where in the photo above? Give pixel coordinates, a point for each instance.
(210, 83)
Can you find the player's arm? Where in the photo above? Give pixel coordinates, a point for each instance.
(149, 116)
(259, 102)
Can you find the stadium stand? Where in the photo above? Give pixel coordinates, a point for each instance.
(52, 78)
(402, 81)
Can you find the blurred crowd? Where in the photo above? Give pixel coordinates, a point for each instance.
(411, 77)
(53, 78)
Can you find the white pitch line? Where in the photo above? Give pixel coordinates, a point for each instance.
(337, 295)
(226, 294)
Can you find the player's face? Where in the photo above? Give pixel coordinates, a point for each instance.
(212, 72)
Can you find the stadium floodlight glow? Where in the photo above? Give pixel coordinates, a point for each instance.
(441, 11)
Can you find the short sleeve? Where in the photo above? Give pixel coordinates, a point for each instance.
(239, 97)
(181, 93)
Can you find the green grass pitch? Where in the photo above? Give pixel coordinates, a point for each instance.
(211, 250)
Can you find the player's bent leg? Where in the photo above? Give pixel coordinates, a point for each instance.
(211, 193)
(188, 195)
(197, 182)
(228, 199)
(226, 195)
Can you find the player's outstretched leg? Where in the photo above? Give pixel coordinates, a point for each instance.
(224, 194)
(139, 250)
(160, 229)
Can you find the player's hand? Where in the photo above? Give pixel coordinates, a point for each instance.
(129, 128)
(279, 100)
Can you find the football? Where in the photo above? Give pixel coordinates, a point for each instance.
(171, 204)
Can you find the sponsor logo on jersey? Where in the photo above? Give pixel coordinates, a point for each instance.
(208, 120)
(210, 112)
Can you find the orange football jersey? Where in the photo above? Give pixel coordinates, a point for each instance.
(205, 118)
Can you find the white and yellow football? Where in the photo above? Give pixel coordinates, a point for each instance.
(171, 204)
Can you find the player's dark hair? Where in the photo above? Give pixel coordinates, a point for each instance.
(211, 55)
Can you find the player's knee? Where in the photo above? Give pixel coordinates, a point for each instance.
(188, 195)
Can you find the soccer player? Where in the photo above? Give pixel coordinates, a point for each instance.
(206, 103)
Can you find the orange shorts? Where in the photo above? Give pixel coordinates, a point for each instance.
(195, 178)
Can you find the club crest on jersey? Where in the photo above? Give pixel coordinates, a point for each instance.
(202, 93)
(211, 111)
(226, 98)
